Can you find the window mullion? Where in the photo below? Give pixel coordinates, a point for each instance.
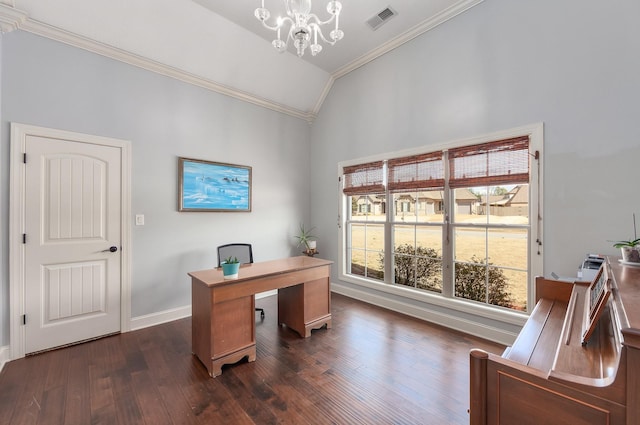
(388, 240)
(447, 234)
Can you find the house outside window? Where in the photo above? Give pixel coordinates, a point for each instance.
(464, 223)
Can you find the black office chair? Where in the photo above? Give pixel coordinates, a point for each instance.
(241, 251)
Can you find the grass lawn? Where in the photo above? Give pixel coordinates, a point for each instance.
(505, 248)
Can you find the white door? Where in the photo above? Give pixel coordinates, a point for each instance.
(72, 222)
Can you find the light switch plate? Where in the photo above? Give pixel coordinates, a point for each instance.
(139, 219)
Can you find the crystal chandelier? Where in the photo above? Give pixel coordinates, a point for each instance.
(304, 27)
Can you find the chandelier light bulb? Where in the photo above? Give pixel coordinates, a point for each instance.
(279, 45)
(262, 14)
(315, 49)
(299, 24)
(334, 7)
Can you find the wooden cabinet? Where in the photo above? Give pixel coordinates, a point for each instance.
(306, 306)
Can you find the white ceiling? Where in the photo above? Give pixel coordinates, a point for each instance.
(220, 45)
(359, 38)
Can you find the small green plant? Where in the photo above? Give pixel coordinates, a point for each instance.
(620, 244)
(230, 260)
(304, 236)
(632, 242)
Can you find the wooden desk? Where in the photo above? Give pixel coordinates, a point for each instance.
(223, 311)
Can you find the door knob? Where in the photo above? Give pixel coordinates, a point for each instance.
(111, 249)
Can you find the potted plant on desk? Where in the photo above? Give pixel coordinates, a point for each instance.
(230, 267)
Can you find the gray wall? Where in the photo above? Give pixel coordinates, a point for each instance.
(4, 233)
(572, 64)
(49, 84)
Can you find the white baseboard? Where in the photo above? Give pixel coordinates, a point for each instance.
(142, 322)
(266, 294)
(153, 319)
(450, 321)
(5, 353)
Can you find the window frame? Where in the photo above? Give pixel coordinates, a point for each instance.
(535, 132)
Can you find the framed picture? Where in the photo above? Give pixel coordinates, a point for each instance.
(213, 186)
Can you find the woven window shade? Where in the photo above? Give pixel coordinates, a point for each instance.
(490, 164)
(364, 178)
(416, 172)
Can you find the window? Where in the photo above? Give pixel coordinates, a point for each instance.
(490, 223)
(364, 186)
(463, 222)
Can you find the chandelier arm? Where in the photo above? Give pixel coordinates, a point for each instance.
(319, 22)
(286, 43)
(275, 27)
(289, 35)
(321, 35)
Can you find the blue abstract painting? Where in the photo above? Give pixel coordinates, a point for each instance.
(212, 186)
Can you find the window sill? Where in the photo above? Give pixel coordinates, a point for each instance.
(498, 314)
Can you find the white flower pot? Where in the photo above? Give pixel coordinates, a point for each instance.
(631, 254)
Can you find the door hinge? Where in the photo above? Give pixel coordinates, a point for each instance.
(24, 157)
(24, 238)
(24, 319)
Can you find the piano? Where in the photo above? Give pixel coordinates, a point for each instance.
(575, 361)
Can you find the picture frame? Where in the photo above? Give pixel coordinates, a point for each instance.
(208, 186)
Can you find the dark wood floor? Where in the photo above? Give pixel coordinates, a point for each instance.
(373, 367)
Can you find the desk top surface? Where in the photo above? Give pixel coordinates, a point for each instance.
(214, 277)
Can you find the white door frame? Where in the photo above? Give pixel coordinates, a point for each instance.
(19, 133)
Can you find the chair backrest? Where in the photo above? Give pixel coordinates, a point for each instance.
(242, 251)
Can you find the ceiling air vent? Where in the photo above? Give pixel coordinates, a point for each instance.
(377, 20)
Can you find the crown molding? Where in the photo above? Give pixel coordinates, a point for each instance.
(408, 35)
(19, 20)
(10, 18)
(323, 96)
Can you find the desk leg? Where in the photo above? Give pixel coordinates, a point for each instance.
(217, 363)
(305, 306)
